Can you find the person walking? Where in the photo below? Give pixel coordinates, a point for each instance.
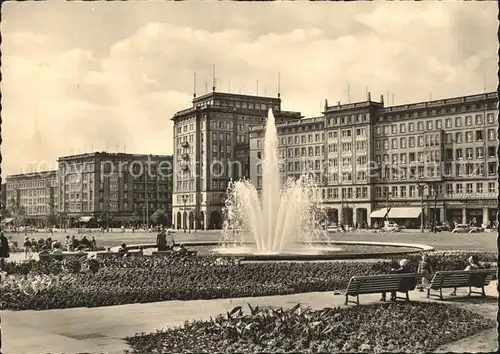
(4, 249)
(27, 248)
(425, 268)
(161, 241)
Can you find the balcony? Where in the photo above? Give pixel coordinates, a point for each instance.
(185, 144)
(185, 156)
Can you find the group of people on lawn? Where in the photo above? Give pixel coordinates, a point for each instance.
(55, 247)
(426, 269)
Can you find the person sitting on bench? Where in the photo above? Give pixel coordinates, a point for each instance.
(182, 251)
(403, 268)
(473, 265)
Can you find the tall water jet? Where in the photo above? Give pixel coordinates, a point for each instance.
(283, 215)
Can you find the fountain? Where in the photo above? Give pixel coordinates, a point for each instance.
(284, 220)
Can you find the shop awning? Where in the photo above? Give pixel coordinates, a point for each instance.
(404, 213)
(7, 220)
(380, 213)
(86, 218)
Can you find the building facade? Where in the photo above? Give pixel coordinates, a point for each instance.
(36, 193)
(3, 196)
(122, 188)
(374, 162)
(211, 146)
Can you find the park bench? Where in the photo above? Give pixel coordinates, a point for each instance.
(461, 279)
(117, 254)
(60, 257)
(170, 253)
(373, 284)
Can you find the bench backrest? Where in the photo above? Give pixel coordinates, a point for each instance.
(371, 284)
(459, 278)
(46, 256)
(117, 254)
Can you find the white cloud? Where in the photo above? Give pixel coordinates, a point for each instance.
(127, 93)
(25, 38)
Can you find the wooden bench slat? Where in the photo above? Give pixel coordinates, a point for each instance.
(382, 283)
(461, 278)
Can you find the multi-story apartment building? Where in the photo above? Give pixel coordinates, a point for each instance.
(336, 149)
(379, 162)
(36, 193)
(115, 186)
(211, 146)
(445, 156)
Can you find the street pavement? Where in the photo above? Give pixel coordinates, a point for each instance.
(485, 241)
(102, 329)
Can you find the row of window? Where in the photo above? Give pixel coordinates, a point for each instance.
(35, 201)
(246, 105)
(415, 191)
(38, 210)
(350, 119)
(435, 124)
(28, 193)
(37, 184)
(435, 155)
(450, 170)
(317, 137)
(345, 193)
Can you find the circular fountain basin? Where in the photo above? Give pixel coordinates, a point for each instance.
(316, 251)
(298, 250)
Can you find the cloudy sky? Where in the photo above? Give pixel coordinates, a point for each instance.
(97, 74)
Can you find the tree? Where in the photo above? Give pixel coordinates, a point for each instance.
(5, 213)
(105, 219)
(52, 219)
(160, 217)
(136, 217)
(20, 216)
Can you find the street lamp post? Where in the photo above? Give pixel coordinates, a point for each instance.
(435, 209)
(185, 198)
(421, 187)
(107, 215)
(144, 215)
(387, 195)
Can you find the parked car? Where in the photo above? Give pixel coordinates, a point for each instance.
(443, 227)
(391, 228)
(465, 228)
(334, 228)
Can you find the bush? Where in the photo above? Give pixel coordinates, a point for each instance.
(148, 279)
(395, 327)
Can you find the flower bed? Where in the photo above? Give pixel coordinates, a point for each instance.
(395, 327)
(149, 279)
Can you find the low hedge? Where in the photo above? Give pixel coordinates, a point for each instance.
(48, 285)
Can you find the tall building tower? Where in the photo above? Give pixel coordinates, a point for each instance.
(211, 147)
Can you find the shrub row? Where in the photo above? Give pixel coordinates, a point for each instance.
(48, 285)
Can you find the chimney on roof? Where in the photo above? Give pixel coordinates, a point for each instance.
(382, 99)
(279, 85)
(338, 103)
(326, 104)
(369, 97)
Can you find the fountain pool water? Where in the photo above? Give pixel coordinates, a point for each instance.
(284, 219)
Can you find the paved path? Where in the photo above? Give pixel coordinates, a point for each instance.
(100, 330)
